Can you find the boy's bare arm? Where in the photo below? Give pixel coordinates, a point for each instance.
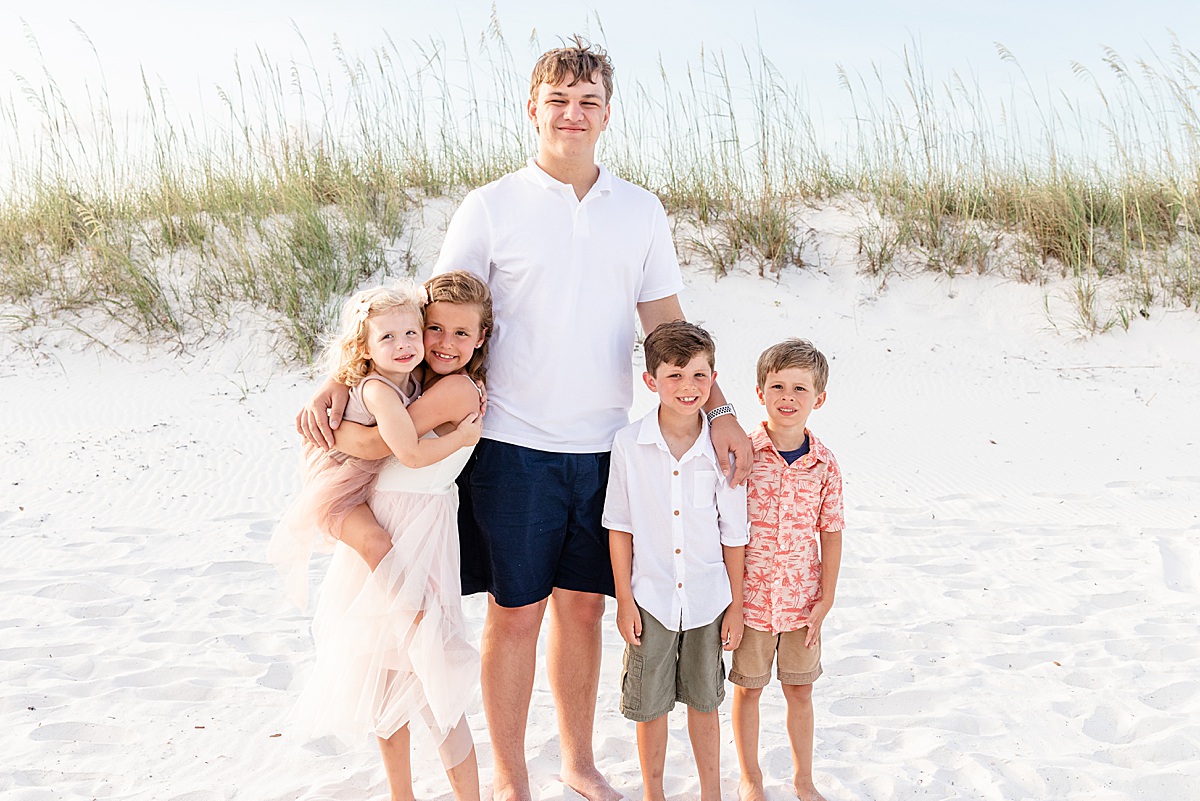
(831, 565)
(733, 625)
(629, 622)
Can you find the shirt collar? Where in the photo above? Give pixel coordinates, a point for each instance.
(544, 179)
(650, 433)
(760, 440)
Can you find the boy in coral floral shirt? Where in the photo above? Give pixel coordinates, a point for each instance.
(794, 499)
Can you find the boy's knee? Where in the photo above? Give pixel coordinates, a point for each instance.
(747, 693)
(798, 693)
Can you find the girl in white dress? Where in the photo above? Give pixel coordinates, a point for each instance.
(392, 643)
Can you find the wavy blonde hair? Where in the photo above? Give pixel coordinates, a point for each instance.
(463, 288)
(345, 355)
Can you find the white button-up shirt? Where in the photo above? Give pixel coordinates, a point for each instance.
(680, 513)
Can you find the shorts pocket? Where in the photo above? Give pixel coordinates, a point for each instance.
(704, 488)
(631, 680)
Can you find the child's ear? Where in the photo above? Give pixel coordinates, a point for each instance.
(761, 399)
(820, 401)
(649, 379)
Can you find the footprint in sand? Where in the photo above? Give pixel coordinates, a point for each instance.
(224, 568)
(1019, 661)
(99, 611)
(30, 652)
(1117, 727)
(162, 676)
(1064, 496)
(82, 732)
(893, 510)
(854, 665)
(176, 636)
(1116, 600)
(75, 591)
(1172, 696)
(1170, 784)
(909, 703)
(1179, 563)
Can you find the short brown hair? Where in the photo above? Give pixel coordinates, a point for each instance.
(460, 288)
(579, 61)
(677, 343)
(794, 352)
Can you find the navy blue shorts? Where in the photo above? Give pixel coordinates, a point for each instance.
(529, 521)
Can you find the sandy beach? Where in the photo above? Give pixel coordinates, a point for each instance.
(1016, 617)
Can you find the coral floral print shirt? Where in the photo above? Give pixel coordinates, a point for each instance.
(789, 506)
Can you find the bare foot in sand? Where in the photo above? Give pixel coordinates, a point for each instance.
(511, 792)
(590, 784)
(750, 790)
(807, 791)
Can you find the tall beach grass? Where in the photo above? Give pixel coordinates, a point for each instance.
(302, 186)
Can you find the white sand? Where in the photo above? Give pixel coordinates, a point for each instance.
(1017, 615)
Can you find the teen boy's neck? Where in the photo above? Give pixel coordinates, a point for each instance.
(679, 431)
(580, 174)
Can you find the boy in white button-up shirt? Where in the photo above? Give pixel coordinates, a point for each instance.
(676, 535)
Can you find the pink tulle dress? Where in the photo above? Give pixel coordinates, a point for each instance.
(392, 645)
(334, 484)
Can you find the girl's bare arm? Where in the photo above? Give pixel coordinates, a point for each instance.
(396, 427)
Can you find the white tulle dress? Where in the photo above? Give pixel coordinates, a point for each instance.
(393, 645)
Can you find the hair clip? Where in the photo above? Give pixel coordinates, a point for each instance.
(361, 309)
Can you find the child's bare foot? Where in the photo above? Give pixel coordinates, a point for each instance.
(590, 784)
(807, 791)
(750, 790)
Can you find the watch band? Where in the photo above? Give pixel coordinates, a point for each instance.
(720, 410)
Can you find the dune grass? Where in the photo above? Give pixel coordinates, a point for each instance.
(301, 191)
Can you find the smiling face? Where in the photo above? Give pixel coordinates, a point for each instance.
(682, 391)
(453, 331)
(569, 120)
(394, 343)
(790, 396)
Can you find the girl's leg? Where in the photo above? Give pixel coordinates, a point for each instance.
(745, 739)
(800, 732)
(362, 532)
(652, 754)
(704, 730)
(397, 764)
(463, 771)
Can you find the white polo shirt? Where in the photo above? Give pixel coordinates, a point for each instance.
(566, 276)
(680, 514)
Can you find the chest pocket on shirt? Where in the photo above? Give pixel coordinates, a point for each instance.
(704, 488)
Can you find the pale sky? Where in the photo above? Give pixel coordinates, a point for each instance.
(190, 48)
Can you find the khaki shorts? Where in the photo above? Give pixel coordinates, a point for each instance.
(670, 666)
(797, 664)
